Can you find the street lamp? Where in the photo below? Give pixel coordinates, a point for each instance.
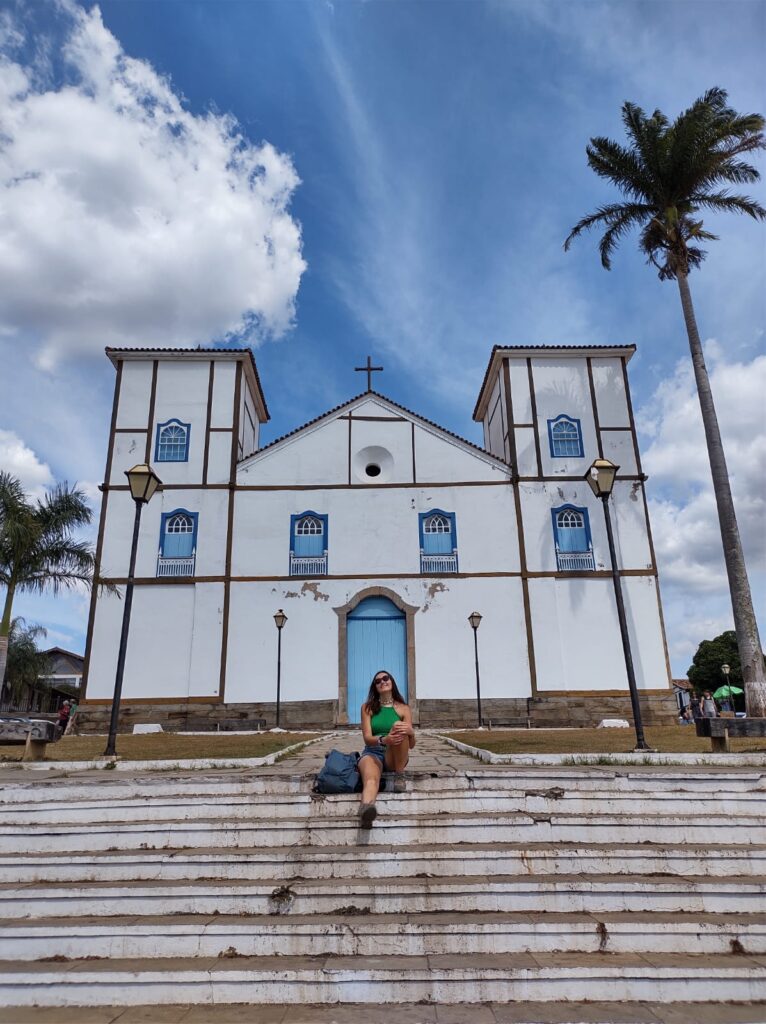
(475, 619)
(143, 483)
(600, 477)
(279, 620)
(726, 669)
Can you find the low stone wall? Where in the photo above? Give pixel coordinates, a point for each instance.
(576, 710)
(198, 717)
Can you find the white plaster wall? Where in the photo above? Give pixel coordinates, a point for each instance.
(248, 424)
(182, 390)
(162, 626)
(631, 539)
(128, 451)
(577, 634)
(438, 460)
(495, 419)
(219, 457)
(205, 662)
(526, 454)
(609, 385)
(222, 409)
(309, 642)
(617, 446)
(107, 624)
(394, 437)
(444, 639)
(375, 531)
(522, 403)
(118, 533)
(561, 386)
(135, 391)
(317, 457)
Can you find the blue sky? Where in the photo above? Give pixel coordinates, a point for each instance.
(419, 165)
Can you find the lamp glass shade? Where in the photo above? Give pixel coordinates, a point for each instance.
(280, 619)
(726, 669)
(475, 619)
(601, 476)
(143, 482)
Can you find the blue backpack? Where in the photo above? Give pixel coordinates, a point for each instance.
(339, 774)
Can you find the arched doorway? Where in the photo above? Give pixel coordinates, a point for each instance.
(376, 638)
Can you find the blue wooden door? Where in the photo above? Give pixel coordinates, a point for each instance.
(377, 639)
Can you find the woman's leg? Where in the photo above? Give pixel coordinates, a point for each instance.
(370, 769)
(397, 756)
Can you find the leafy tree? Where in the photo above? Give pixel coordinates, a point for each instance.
(667, 174)
(705, 670)
(25, 661)
(37, 549)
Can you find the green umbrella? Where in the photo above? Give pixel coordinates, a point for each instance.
(726, 691)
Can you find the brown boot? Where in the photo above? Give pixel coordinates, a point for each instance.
(367, 814)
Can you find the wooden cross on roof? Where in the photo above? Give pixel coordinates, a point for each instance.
(369, 369)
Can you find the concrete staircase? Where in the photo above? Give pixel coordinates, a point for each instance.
(548, 887)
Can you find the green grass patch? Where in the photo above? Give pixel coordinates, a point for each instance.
(165, 746)
(670, 739)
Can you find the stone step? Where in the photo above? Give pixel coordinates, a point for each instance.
(390, 829)
(508, 893)
(441, 980)
(424, 1012)
(242, 782)
(314, 806)
(304, 862)
(425, 934)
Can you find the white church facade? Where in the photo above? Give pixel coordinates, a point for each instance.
(378, 533)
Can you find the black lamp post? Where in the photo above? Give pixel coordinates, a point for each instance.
(279, 619)
(475, 619)
(601, 477)
(143, 483)
(726, 669)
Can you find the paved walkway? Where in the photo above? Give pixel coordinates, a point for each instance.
(486, 1013)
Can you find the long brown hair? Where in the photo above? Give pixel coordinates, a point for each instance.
(373, 697)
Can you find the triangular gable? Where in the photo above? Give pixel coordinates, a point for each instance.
(323, 443)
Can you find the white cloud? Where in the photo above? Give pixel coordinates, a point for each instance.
(682, 505)
(683, 509)
(20, 461)
(125, 219)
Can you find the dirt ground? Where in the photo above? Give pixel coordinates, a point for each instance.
(164, 746)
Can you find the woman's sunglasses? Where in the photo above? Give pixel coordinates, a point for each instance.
(383, 679)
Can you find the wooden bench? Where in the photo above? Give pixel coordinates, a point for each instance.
(33, 733)
(720, 729)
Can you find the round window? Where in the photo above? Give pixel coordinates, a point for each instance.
(372, 469)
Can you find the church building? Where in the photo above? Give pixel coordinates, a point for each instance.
(377, 533)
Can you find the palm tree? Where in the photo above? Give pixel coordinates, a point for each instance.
(667, 174)
(26, 663)
(37, 550)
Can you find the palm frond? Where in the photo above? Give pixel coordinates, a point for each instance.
(725, 202)
(617, 218)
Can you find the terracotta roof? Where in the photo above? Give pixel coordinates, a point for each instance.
(192, 351)
(536, 348)
(683, 684)
(396, 405)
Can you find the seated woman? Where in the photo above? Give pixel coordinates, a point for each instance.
(388, 739)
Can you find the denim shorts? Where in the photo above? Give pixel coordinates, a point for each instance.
(375, 750)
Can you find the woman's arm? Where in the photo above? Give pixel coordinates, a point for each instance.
(405, 727)
(369, 739)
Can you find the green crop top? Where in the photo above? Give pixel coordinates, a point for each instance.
(382, 723)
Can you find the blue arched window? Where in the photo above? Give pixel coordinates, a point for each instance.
(565, 437)
(571, 533)
(172, 444)
(308, 544)
(438, 542)
(178, 543)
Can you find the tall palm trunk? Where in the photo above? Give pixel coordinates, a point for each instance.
(5, 629)
(745, 623)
